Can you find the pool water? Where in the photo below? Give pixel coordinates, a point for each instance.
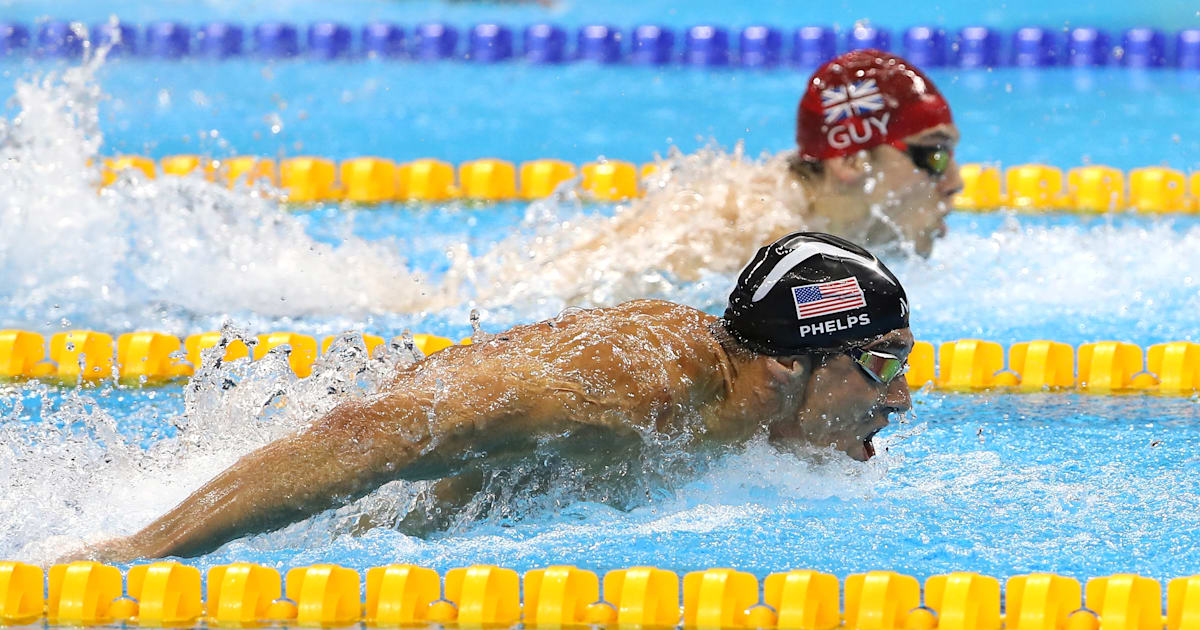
(519, 112)
(997, 483)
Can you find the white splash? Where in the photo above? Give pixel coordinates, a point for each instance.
(141, 250)
(1132, 280)
(67, 471)
(705, 212)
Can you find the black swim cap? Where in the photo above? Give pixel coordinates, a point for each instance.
(811, 291)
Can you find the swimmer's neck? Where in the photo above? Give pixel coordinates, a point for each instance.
(833, 205)
(761, 390)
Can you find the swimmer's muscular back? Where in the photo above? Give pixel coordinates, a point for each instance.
(641, 366)
(634, 365)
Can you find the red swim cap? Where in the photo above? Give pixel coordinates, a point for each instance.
(863, 99)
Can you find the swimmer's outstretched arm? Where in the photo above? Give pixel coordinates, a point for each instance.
(351, 451)
(466, 400)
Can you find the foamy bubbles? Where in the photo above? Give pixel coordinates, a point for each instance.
(1076, 280)
(157, 253)
(93, 463)
(703, 212)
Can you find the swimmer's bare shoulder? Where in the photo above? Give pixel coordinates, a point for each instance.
(620, 365)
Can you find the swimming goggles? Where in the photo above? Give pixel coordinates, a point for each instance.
(931, 158)
(882, 367)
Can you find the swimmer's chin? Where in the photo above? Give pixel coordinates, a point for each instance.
(865, 450)
(923, 244)
(861, 450)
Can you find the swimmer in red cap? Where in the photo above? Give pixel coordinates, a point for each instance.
(810, 354)
(875, 165)
(876, 149)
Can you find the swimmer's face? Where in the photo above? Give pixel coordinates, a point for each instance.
(914, 200)
(844, 406)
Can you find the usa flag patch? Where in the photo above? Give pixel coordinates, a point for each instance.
(826, 298)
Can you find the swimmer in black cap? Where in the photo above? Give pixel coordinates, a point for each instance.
(811, 351)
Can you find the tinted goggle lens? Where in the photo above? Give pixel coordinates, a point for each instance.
(880, 366)
(934, 159)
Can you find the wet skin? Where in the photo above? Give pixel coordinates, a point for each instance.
(910, 204)
(624, 372)
(877, 198)
(919, 201)
(845, 407)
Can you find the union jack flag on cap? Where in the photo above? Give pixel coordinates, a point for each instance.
(853, 99)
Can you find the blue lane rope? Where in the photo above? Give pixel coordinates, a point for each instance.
(755, 46)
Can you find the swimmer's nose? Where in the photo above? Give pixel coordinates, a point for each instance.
(951, 183)
(898, 399)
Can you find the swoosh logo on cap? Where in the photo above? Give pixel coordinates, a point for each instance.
(803, 253)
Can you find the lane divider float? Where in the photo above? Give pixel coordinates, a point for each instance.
(169, 594)
(1086, 188)
(156, 358)
(702, 45)
(963, 365)
(372, 180)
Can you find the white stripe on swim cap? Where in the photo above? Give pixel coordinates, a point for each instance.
(803, 253)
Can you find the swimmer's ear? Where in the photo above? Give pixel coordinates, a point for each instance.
(788, 372)
(847, 169)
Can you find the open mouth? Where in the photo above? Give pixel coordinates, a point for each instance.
(867, 445)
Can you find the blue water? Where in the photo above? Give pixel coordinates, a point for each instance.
(996, 483)
(1000, 484)
(520, 112)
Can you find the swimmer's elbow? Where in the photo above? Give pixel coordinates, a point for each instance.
(414, 435)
